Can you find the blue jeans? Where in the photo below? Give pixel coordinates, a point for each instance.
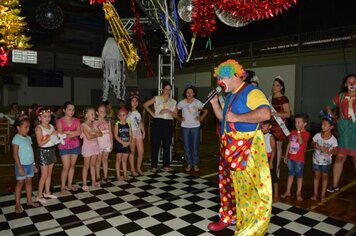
(191, 145)
(295, 168)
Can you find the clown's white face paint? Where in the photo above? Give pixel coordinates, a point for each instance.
(351, 84)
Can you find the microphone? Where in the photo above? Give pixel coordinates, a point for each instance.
(212, 94)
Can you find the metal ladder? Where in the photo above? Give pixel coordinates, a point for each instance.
(166, 71)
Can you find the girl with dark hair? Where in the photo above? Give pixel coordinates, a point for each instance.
(70, 150)
(282, 110)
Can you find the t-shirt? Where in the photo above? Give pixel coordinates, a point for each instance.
(190, 111)
(161, 104)
(322, 158)
(25, 149)
(296, 151)
(134, 120)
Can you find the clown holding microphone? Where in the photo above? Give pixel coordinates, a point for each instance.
(244, 175)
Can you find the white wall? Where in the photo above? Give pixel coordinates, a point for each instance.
(266, 76)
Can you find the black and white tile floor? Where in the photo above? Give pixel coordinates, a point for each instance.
(162, 204)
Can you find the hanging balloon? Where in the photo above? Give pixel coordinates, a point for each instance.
(229, 19)
(185, 8)
(49, 15)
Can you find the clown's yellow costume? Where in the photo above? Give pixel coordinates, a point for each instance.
(244, 175)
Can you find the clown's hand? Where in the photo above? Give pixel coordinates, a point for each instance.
(231, 117)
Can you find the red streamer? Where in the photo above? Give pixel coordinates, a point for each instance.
(4, 60)
(203, 17)
(137, 28)
(250, 10)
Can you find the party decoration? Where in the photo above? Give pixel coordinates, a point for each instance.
(250, 10)
(128, 51)
(12, 29)
(92, 2)
(203, 18)
(139, 32)
(3, 57)
(49, 15)
(170, 28)
(185, 8)
(229, 19)
(113, 70)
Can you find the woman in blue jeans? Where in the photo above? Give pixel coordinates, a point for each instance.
(190, 126)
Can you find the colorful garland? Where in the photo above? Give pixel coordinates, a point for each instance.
(139, 32)
(250, 10)
(99, 1)
(203, 17)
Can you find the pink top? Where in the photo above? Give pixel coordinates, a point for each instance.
(70, 143)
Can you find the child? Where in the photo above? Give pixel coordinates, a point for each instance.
(298, 140)
(325, 145)
(138, 135)
(105, 142)
(68, 151)
(270, 143)
(90, 147)
(24, 161)
(121, 143)
(46, 153)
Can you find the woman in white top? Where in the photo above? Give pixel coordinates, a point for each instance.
(190, 126)
(162, 126)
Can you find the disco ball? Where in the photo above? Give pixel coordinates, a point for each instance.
(49, 15)
(185, 8)
(229, 19)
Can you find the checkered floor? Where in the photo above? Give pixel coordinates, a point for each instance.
(161, 204)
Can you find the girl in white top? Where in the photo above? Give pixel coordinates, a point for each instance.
(105, 142)
(138, 135)
(162, 126)
(46, 156)
(325, 145)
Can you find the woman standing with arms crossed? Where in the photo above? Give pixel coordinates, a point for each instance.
(280, 103)
(162, 127)
(70, 150)
(191, 119)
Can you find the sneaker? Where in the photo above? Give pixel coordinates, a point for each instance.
(41, 200)
(50, 196)
(332, 189)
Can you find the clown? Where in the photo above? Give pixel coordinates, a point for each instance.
(244, 175)
(346, 124)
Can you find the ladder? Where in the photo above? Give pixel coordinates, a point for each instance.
(166, 71)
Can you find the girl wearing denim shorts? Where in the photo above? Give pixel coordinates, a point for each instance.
(70, 150)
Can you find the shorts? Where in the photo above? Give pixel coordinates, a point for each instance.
(121, 149)
(295, 168)
(137, 134)
(28, 169)
(72, 151)
(46, 156)
(322, 168)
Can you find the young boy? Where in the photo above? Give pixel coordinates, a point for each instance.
(270, 144)
(298, 140)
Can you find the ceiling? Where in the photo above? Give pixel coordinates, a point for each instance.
(84, 29)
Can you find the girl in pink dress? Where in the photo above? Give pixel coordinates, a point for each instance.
(105, 142)
(90, 148)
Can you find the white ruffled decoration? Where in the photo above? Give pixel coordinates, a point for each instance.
(113, 69)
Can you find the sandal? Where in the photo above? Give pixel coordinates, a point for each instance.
(85, 188)
(140, 172)
(154, 170)
(167, 169)
(73, 188)
(18, 209)
(33, 204)
(134, 173)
